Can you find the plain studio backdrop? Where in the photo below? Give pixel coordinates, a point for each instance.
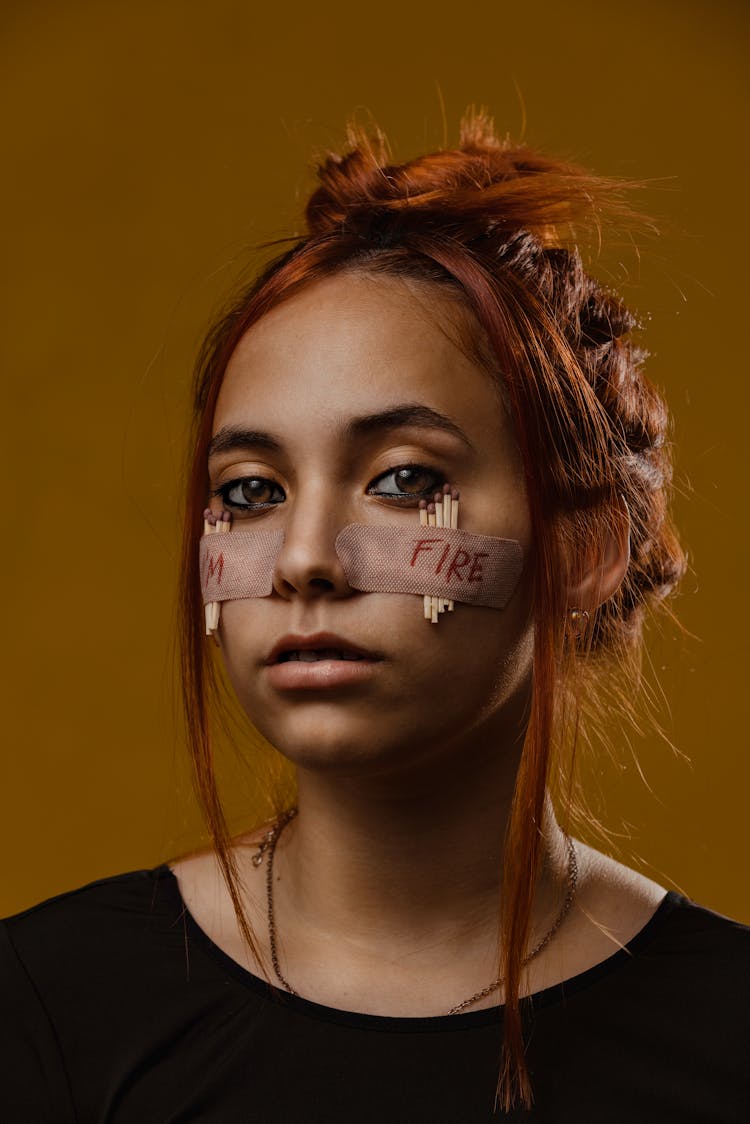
(148, 147)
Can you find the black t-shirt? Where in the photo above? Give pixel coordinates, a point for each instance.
(117, 1008)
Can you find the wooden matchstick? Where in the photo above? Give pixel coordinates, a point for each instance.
(207, 528)
(454, 498)
(432, 522)
(423, 523)
(223, 525)
(440, 522)
(212, 525)
(447, 505)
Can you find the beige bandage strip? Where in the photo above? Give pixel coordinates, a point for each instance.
(440, 561)
(239, 564)
(437, 561)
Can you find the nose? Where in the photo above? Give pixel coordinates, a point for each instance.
(307, 565)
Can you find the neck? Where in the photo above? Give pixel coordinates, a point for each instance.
(398, 859)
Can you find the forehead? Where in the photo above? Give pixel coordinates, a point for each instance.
(351, 344)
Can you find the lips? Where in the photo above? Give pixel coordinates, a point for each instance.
(320, 663)
(317, 647)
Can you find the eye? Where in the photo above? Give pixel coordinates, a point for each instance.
(410, 481)
(251, 492)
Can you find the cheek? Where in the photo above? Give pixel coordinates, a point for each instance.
(436, 679)
(243, 646)
(492, 656)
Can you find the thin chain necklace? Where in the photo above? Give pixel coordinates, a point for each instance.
(267, 846)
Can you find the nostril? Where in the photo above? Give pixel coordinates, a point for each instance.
(322, 584)
(307, 572)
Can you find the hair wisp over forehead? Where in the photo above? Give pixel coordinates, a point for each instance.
(500, 226)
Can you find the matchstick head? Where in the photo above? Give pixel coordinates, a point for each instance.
(442, 512)
(216, 520)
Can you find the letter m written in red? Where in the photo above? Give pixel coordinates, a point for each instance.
(214, 569)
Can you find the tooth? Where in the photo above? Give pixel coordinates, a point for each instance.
(314, 655)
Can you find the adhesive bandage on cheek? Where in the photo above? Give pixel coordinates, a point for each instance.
(234, 566)
(435, 560)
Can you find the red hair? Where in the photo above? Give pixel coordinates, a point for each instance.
(491, 224)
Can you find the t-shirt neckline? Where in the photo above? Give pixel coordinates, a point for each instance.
(405, 1024)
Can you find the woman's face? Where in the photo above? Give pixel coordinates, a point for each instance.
(336, 403)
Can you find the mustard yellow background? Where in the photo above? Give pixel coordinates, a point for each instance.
(147, 144)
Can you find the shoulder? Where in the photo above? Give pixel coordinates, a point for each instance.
(678, 942)
(133, 887)
(621, 897)
(200, 877)
(622, 918)
(65, 964)
(101, 922)
(204, 893)
(615, 899)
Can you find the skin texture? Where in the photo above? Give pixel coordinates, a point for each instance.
(389, 874)
(350, 362)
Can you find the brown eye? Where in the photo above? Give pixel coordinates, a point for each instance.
(410, 480)
(252, 491)
(256, 490)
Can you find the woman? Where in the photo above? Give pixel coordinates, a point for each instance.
(438, 947)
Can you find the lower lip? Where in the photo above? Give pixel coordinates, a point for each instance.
(298, 675)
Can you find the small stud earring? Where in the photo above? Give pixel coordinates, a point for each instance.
(579, 621)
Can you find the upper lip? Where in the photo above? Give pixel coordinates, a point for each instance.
(295, 642)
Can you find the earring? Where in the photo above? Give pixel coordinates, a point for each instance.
(579, 622)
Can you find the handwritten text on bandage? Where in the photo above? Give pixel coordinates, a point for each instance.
(461, 558)
(450, 563)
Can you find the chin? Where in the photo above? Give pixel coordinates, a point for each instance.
(329, 741)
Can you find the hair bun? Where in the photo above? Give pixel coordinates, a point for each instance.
(486, 185)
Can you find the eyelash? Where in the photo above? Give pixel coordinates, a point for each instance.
(401, 498)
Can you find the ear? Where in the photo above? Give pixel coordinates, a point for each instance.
(600, 574)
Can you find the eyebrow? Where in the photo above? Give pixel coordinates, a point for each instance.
(230, 438)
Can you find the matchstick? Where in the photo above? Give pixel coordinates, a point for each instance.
(222, 526)
(440, 522)
(423, 523)
(432, 522)
(208, 607)
(212, 525)
(454, 498)
(447, 505)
